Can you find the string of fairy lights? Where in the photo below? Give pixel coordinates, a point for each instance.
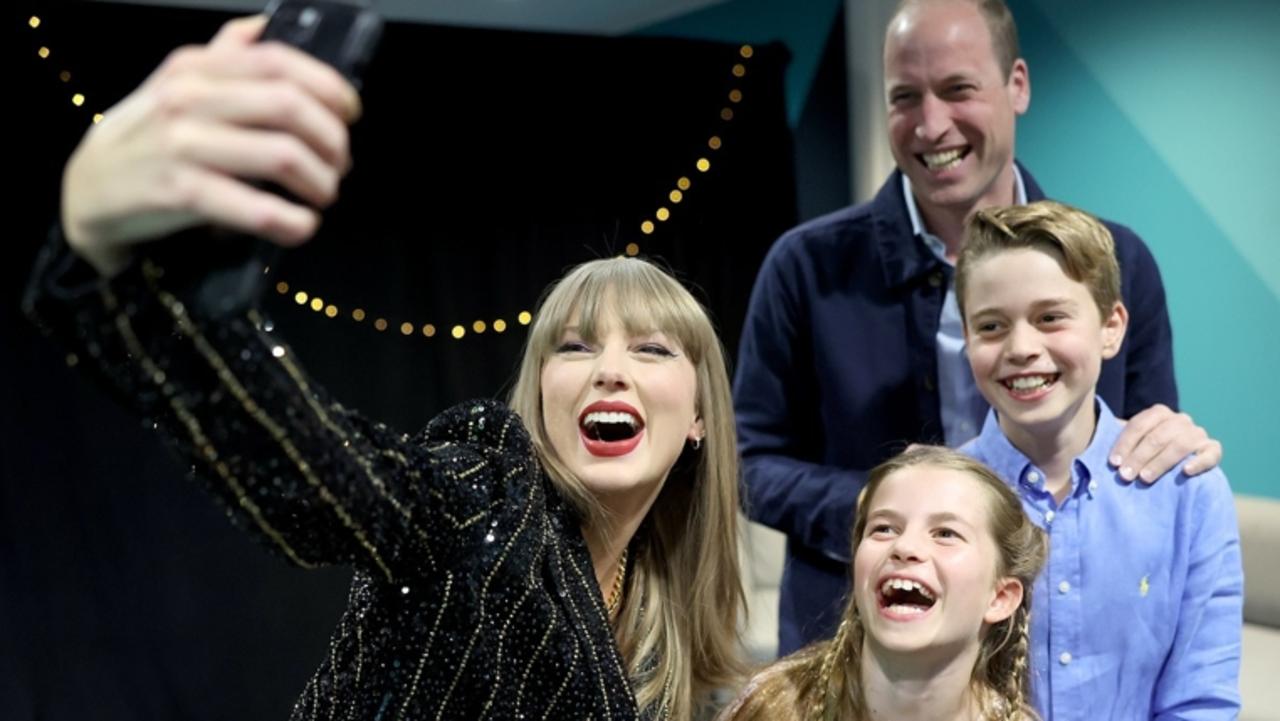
(77, 99)
(316, 302)
(703, 163)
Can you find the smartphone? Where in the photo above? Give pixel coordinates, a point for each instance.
(342, 34)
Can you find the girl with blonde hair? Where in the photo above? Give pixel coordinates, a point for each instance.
(944, 563)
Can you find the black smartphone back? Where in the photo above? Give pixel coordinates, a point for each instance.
(342, 34)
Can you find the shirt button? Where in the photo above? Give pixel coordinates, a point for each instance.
(1065, 658)
(1033, 477)
(1048, 516)
(1093, 486)
(1064, 587)
(935, 279)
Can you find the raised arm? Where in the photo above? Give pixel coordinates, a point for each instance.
(182, 153)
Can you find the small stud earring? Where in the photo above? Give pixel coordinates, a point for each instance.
(697, 444)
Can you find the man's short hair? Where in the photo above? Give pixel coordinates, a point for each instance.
(1004, 32)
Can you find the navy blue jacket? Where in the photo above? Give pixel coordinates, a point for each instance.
(837, 372)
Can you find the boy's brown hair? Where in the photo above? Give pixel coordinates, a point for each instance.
(1080, 243)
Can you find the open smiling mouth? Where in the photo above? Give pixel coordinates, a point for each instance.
(1030, 385)
(945, 160)
(610, 426)
(607, 432)
(904, 598)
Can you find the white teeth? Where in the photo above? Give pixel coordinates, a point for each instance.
(903, 584)
(1026, 383)
(609, 417)
(906, 610)
(943, 160)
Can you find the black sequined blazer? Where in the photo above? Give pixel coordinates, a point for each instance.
(474, 594)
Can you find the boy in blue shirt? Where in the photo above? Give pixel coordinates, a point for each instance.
(1137, 614)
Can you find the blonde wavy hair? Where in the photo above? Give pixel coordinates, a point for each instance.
(678, 626)
(823, 681)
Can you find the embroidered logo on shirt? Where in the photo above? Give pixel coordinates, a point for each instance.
(1144, 586)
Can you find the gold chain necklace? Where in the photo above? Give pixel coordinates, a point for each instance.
(615, 595)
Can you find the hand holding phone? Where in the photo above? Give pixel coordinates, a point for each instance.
(194, 143)
(341, 34)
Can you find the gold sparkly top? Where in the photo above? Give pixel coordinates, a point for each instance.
(474, 594)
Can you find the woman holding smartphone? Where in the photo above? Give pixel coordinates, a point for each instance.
(571, 554)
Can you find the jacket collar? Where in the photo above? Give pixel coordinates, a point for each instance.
(903, 256)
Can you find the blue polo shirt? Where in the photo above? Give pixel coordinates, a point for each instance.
(1138, 613)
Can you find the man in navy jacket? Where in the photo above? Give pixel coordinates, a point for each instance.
(852, 346)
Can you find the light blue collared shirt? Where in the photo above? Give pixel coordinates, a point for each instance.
(961, 405)
(1138, 612)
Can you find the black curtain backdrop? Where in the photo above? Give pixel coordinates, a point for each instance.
(487, 163)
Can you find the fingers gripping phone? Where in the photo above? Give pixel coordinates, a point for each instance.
(342, 34)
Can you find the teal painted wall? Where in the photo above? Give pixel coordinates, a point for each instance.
(1163, 116)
